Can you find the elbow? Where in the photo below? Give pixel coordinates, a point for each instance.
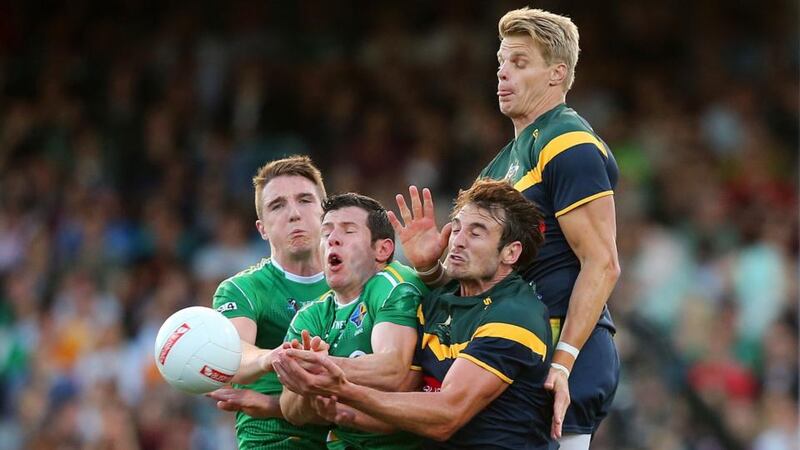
(295, 420)
(450, 422)
(444, 432)
(290, 413)
(613, 270)
(395, 379)
(606, 264)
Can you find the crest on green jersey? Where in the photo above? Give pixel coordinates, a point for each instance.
(357, 318)
(293, 305)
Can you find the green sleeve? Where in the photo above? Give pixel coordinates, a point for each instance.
(400, 307)
(305, 319)
(232, 300)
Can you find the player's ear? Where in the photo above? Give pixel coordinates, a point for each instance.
(384, 248)
(558, 74)
(511, 252)
(262, 229)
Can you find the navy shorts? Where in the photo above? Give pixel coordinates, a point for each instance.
(592, 383)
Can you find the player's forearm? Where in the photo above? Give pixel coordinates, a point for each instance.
(265, 407)
(364, 422)
(383, 371)
(250, 368)
(431, 414)
(298, 410)
(593, 286)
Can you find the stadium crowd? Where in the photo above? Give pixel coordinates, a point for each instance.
(129, 134)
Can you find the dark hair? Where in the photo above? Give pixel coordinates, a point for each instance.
(521, 219)
(377, 219)
(297, 165)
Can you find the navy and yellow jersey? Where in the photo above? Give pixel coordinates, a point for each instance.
(505, 331)
(559, 164)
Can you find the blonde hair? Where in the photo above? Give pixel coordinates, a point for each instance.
(299, 166)
(556, 36)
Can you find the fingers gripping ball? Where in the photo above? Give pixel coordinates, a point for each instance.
(197, 350)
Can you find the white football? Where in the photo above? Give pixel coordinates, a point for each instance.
(197, 350)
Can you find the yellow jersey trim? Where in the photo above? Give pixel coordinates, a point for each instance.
(583, 201)
(416, 368)
(553, 148)
(420, 316)
(442, 351)
(487, 367)
(396, 274)
(513, 333)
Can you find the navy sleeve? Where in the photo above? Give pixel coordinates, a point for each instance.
(576, 176)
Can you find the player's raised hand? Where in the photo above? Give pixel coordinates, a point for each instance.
(250, 402)
(423, 243)
(558, 383)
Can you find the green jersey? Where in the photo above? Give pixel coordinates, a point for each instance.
(392, 295)
(271, 297)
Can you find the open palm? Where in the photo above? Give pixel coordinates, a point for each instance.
(423, 243)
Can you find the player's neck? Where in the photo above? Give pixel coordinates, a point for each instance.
(549, 101)
(347, 294)
(303, 265)
(476, 287)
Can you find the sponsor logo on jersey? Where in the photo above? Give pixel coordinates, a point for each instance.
(431, 384)
(338, 324)
(173, 338)
(230, 306)
(215, 374)
(357, 318)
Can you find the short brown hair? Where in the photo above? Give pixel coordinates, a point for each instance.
(296, 165)
(557, 36)
(521, 219)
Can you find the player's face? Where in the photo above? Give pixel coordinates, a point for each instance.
(349, 256)
(473, 252)
(523, 77)
(291, 212)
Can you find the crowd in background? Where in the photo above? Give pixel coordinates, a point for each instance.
(129, 134)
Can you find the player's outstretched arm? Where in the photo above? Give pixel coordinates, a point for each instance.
(388, 365)
(466, 390)
(250, 402)
(423, 243)
(255, 361)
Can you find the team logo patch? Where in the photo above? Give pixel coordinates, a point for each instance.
(513, 169)
(293, 305)
(230, 306)
(357, 318)
(215, 374)
(356, 354)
